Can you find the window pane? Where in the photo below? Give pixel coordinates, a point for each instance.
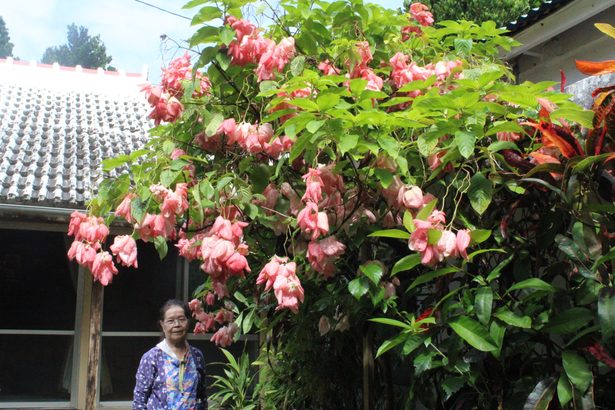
(35, 368)
(132, 301)
(120, 360)
(37, 282)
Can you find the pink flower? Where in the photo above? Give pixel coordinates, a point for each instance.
(508, 136)
(224, 336)
(76, 219)
(93, 229)
(103, 268)
(322, 255)
(83, 253)
(210, 298)
(327, 68)
(275, 267)
(419, 238)
(437, 217)
(410, 197)
(463, 241)
(289, 292)
(421, 14)
(125, 248)
(188, 248)
(124, 209)
(313, 185)
(195, 306)
(374, 82)
(223, 228)
(237, 263)
(447, 245)
(313, 222)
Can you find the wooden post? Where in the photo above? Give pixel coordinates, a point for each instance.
(368, 370)
(94, 348)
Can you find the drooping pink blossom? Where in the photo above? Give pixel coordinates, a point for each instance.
(312, 222)
(83, 253)
(322, 255)
(103, 268)
(275, 267)
(410, 197)
(224, 336)
(421, 14)
(463, 241)
(124, 209)
(289, 292)
(313, 186)
(125, 249)
(327, 68)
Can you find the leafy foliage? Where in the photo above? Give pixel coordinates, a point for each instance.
(81, 49)
(435, 220)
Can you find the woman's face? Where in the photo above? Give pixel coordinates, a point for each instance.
(175, 324)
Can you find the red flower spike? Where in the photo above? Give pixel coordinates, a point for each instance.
(600, 353)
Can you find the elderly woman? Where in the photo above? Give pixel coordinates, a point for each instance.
(172, 374)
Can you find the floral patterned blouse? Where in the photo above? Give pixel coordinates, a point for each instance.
(166, 383)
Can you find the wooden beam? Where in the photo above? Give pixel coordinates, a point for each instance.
(94, 348)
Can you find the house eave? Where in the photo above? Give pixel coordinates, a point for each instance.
(557, 23)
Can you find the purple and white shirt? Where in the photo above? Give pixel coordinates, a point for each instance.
(166, 383)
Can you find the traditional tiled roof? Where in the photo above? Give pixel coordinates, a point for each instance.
(536, 14)
(56, 126)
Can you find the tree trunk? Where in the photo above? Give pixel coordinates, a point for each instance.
(368, 370)
(94, 349)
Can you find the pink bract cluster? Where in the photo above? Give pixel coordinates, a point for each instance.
(404, 72)
(207, 322)
(165, 98)
(419, 14)
(280, 274)
(254, 139)
(90, 233)
(251, 47)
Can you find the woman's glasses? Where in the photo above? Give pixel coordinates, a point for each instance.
(179, 321)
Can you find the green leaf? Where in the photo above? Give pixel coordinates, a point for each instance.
(357, 85)
(605, 258)
(327, 100)
(429, 276)
(570, 321)
(426, 210)
(296, 66)
(483, 302)
(577, 370)
(389, 144)
(412, 343)
(214, 124)
(541, 396)
(391, 322)
(110, 164)
(474, 333)
(206, 14)
(347, 142)
(480, 193)
(408, 222)
(304, 103)
(508, 317)
(161, 246)
(583, 117)
(532, 283)
(480, 235)
(373, 271)
(227, 35)
(314, 126)
(406, 263)
(391, 233)
(452, 385)
(606, 312)
(194, 3)
(564, 390)
(358, 287)
(389, 344)
(465, 142)
(586, 162)
(497, 334)
(259, 177)
(418, 84)
(463, 46)
(500, 145)
(247, 322)
(385, 176)
(497, 271)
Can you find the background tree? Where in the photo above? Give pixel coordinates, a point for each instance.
(502, 12)
(81, 49)
(6, 47)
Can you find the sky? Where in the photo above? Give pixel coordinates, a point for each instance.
(130, 30)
